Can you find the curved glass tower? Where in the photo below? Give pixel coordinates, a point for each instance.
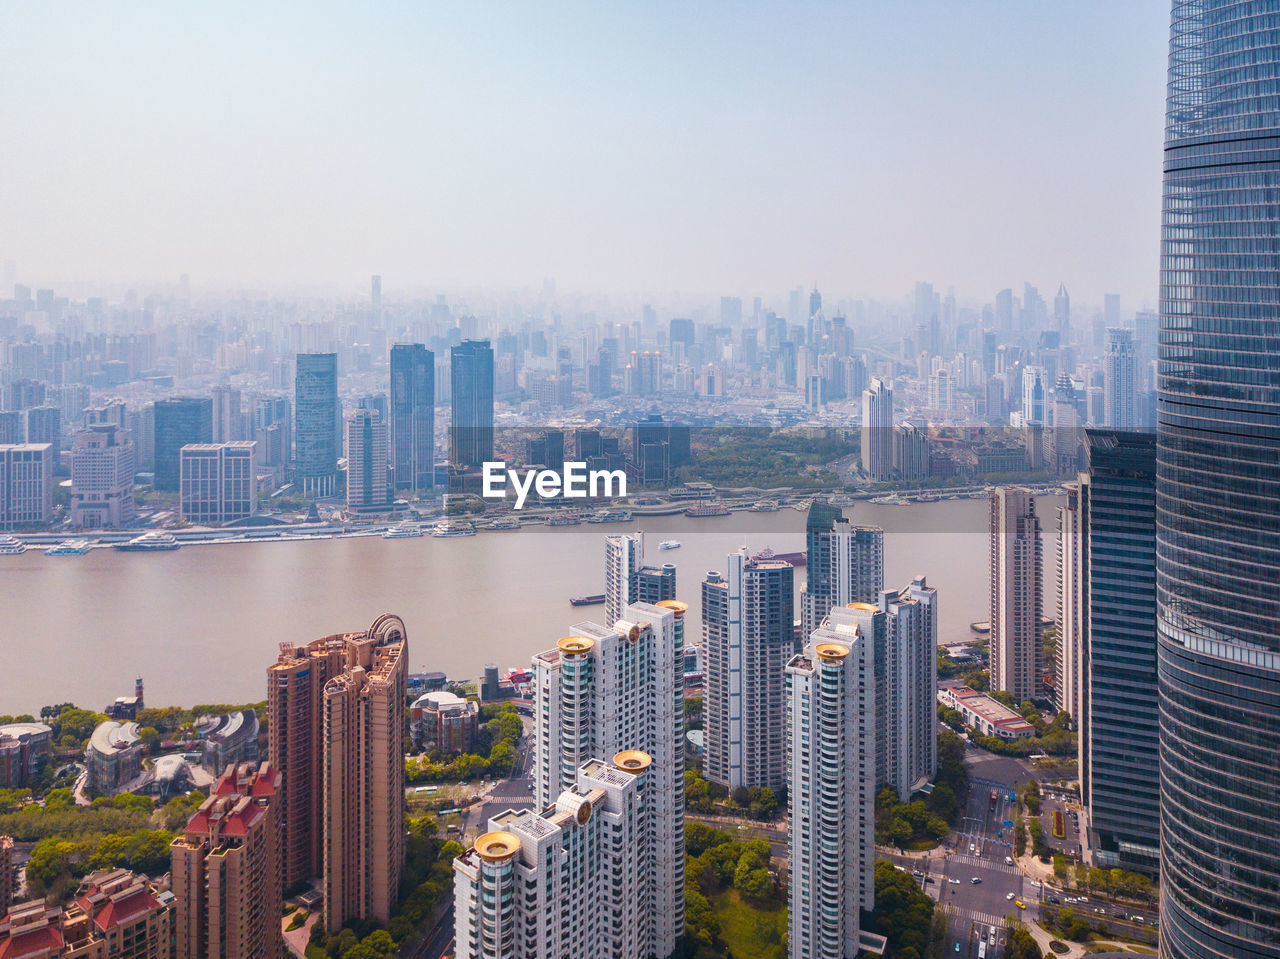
(1218, 488)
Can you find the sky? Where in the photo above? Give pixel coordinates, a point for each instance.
(713, 148)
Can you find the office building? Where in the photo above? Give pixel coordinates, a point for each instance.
(413, 416)
(113, 758)
(26, 485)
(748, 635)
(583, 878)
(628, 580)
(1118, 389)
(844, 564)
(368, 483)
(1035, 393)
(1016, 593)
(178, 422)
(984, 715)
(228, 415)
(910, 453)
(219, 482)
(1119, 735)
(24, 748)
(877, 431)
(226, 870)
(44, 425)
(319, 423)
(441, 720)
(1068, 671)
(1218, 488)
(471, 405)
(909, 741)
(336, 719)
(103, 461)
(608, 690)
(830, 716)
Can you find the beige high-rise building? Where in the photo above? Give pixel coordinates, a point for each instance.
(226, 870)
(1017, 593)
(336, 719)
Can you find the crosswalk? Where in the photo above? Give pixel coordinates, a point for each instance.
(985, 918)
(985, 863)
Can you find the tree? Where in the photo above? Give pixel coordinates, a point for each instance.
(1022, 945)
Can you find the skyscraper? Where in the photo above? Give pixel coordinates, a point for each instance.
(178, 422)
(319, 422)
(26, 484)
(367, 487)
(877, 431)
(1062, 314)
(579, 879)
(830, 715)
(628, 580)
(471, 388)
(228, 415)
(336, 718)
(1035, 392)
(1068, 676)
(1218, 487)
(226, 870)
(1016, 593)
(845, 564)
(602, 686)
(103, 461)
(909, 690)
(413, 416)
(219, 481)
(1119, 762)
(747, 638)
(1118, 380)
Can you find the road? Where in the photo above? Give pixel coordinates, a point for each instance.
(438, 943)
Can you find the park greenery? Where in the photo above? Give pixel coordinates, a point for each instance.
(71, 841)
(923, 823)
(708, 798)
(1022, 945)
(905, 916)
(765, 458)
(715, 866)
(427, 878)
(496, 737)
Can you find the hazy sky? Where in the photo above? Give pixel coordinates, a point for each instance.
(626, 147)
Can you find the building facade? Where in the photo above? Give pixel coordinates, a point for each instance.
(583, 878)
(441, 720)
(1069, 684)
(1218, 487)
(748, 636)
(178, 423)
(103, 461)
(1118, 389)
(627, 579)
(831, 743)
(368, 484)
(413, 416)
(1119, 738)
(1016, 593)
(318, 433)
(910, 688)
(26, 485)
(226, 870)
(471, 396)
(336, 718)
(607, 690)
(844, 564)
(877, 431)
(113, 757)
(24, 748)
(219, 481)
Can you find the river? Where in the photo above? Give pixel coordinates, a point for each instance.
(202, 623)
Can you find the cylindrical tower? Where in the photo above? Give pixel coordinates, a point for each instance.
(1218, 484)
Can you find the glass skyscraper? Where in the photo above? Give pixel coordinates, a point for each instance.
(179, 421)
(413, 415)
(319, 415)
(1218, 484)
(471, 391)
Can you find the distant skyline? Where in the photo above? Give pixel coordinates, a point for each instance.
(704, 149)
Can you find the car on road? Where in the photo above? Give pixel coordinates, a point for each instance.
(975, 880)
(1020, 904)
(1008, 860)
(954, 882)
(1008, 895)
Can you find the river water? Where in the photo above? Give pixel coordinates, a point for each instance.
(202, 623)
